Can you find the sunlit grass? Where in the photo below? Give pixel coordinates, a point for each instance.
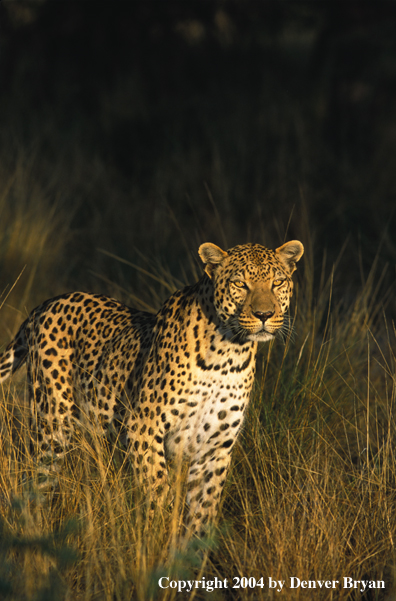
(311, 491)
(310, 494)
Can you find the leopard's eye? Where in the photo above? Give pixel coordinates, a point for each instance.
(239, 284)
(276, 283)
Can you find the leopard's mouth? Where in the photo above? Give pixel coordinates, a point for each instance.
(235, 332)
(260, 336)
(282, 332)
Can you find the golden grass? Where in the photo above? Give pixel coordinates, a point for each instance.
(311, 491)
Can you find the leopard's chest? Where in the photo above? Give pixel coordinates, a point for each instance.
(209, 410)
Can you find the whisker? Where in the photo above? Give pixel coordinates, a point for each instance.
(286, 331)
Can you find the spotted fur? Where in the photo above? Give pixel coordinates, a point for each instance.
(178, 382)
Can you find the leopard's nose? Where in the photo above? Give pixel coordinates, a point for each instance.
(263, 315)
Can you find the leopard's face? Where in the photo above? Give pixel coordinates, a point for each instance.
(252, 288)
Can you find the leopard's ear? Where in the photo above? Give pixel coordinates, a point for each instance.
(290, 253)
(211, 255)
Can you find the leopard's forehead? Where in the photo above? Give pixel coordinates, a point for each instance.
(254, 260)
(254, 253)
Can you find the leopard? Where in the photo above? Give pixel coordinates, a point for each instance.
(178, 382)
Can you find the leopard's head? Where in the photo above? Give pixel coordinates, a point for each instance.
(252, 287)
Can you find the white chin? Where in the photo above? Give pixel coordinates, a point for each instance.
(260, 336)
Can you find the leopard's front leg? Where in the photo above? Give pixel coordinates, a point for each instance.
(146, 451)
(205, 483)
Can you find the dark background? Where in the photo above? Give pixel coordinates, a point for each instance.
(160, 125)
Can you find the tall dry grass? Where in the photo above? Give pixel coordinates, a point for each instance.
(34, 234)
(311, 491)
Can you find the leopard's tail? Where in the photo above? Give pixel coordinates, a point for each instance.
(14, 355)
